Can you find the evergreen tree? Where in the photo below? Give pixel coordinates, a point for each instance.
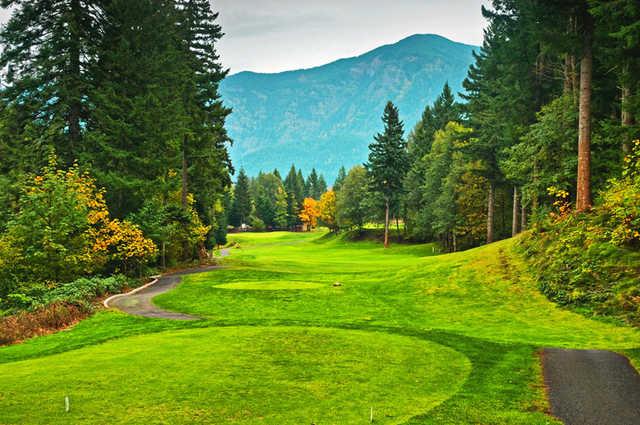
(242, 205)
(294, 196)
(270, 201)
(434, 118)
(311, 185)
(205, 159)
(48, 50)
(321, 187)
(619, 20)
(301, 188)
(502, 100)
(138, 117)
(388, 162)
(342, 174)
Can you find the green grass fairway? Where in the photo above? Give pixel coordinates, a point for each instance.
(270, 285)
(420, 338)
(237, 375)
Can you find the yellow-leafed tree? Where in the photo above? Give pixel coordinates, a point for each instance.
(62, 230)
(309, 212)
(327, 210)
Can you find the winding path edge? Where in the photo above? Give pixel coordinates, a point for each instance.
(139, 302)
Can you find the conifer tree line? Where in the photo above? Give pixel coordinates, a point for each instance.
(128, 90)
(552, 100)
(550, 107)
(269, 202)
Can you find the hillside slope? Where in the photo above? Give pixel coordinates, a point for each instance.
(326, 117)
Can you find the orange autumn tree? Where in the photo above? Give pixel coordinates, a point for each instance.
(327, 210)
(309, 212)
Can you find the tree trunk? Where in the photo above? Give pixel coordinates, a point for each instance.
(490, 213)
(566, 88)
(536, 178)
(514, 222)
(523, 218)
(583, 195)
(386, 225)
(185, 175)
(76, 76)
(626, 117)
(571, 82)
(455, 241)
(570, 86)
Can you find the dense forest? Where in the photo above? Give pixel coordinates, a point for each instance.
(113, 148)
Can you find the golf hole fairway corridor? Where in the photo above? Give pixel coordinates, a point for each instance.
(419, 338)
(236, 375)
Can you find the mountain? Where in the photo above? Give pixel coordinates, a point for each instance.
(325, 117)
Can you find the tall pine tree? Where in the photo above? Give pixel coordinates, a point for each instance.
(242, 204)
(206, 165)
(388, 162)
(136, 126)
(48, 49)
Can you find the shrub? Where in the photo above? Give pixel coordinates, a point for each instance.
(80, 292)
(257, 224)
(62, 231)
(40, 322)
(85, 290)
(592, 260)
(178, 231)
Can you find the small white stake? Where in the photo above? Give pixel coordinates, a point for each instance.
(371, 417)
(67, 405)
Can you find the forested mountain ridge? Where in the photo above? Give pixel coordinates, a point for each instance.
(325, 117)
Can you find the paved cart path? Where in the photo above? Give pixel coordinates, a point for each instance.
(140, 303)
(592, 387)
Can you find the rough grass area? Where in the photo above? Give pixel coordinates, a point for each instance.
(423, 339)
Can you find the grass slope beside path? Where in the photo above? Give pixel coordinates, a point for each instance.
(422, 339)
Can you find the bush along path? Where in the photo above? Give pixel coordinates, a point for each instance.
(139, 302)
(591, 387)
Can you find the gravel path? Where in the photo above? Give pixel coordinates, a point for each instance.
(591, 387)
(140, 303)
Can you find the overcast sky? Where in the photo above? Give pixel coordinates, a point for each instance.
(279, 35)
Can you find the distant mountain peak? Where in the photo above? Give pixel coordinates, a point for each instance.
(326, 116)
